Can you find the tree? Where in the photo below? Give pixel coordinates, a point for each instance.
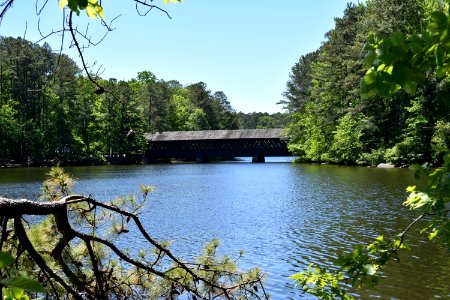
(80, 39)
(298, 88)
(397, 62)
(89, 123)
(9, 131)
(322, 89)
(346, 145)
(227, 114)
(261, 120)
(201, 97)
(324, 85)
(77, 257)
(157, 97)
(64, 87)
(28, 67)
(73, 250)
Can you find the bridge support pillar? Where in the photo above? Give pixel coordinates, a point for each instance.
(258, 159)
(202, 159)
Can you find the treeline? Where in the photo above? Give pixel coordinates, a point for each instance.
(332, 123)
(49, 112)
(260, 120)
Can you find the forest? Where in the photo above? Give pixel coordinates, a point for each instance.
(332, 123)
(50, 113)
(375, 91)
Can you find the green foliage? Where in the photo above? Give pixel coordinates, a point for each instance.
(317, 282)
(398, 62)
(356, 270)
(414, 146)
(328, 84)
(16, 284)
(346, 147)
(375, 157)
(259, 120)
(433, 201)
(92, 7)
(49, 115)
(94, 265)
(440, 140)
(218, 270)
(59, 184)
(9, 131)
(6, 260)
(298, 88)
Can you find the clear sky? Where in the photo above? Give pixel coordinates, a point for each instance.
(243, 48)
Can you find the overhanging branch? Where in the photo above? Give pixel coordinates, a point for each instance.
(187, 281)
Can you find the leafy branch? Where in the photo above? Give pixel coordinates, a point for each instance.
(93, 10)
(395, 63)
(76, 253)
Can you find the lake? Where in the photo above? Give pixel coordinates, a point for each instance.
(283, 215)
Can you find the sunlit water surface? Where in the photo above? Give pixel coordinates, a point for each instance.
(283, 215)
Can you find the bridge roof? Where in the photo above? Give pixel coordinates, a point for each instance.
(273, 133)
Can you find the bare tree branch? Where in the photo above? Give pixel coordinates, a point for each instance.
(149, 8)
(6, 5)
(39, 10)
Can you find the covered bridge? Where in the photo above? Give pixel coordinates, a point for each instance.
(207, 145)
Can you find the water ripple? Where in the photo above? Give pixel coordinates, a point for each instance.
(284, 216)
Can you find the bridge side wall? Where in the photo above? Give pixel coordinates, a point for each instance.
(216, 149)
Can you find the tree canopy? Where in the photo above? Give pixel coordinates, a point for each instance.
(50, 113)
(405, 68)
(333, 122)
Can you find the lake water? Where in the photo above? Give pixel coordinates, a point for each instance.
(283, 215)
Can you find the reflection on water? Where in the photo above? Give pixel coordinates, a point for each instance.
(284, 216)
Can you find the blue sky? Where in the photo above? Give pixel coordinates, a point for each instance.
(243, 48)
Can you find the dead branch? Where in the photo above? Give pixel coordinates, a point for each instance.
(71, 277)
(6, 5)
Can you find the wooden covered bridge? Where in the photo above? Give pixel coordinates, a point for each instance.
(207, 145)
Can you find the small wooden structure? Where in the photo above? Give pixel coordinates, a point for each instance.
(207, 145)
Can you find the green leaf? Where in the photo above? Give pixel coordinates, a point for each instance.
(444, 35)
(433, 234)
(63, 3)
(440, 21)
(7, 294)
(91, 12)
(369, 58)
(398, 39)
(16, 292)
(441, 71)
(82, 4)
(418, 75)
(6, 259)
(385, 86)
(384, 51)
(400, 73)
(439, 55)
(73, 5)
(370, 269)
(100, 11)
(24, 283)
(368, 84)
(410, 87)
(415, 47)
(368, 47)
